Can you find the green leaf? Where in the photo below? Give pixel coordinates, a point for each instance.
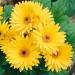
(1, 70)
(59, 11)
(2, 58)
(4, 62)
(58, 73)
(39, 72)
(45, 72)
(7, 12)
(64, 6)
(46, 3)
(32, 72)
(63, 73)
(70, 5)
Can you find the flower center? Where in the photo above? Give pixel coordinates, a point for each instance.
(25, 34)
(46, 38)
(24, 52)
(0, 33)
(27, 20)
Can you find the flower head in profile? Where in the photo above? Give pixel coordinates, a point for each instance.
(7, 34)
(4, 27)
(59, 60)
(28, 14)
(48, 37)
(1, 12)
(22, 54)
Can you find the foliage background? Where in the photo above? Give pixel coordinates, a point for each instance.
(64, 14)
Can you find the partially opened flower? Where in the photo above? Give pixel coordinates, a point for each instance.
(48, 37)
(59, 60)
(22, 54)
(28, 15)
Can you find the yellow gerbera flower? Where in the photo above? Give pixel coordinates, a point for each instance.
(59, 60)
(28, 14)
(4, 27)
(9, 36)
(1, 12)
(48, 37)
(6, 34)
(22, 54)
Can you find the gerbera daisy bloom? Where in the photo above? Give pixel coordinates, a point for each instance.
(1, 12)
(22, 54)
(59, 60)
(28, 14)
(48, 37)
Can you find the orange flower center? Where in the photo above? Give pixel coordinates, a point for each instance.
(24, 52)
(25, 34)
(46, 38)
(27, 20)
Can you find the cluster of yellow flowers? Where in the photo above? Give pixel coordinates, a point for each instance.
(32, 34)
